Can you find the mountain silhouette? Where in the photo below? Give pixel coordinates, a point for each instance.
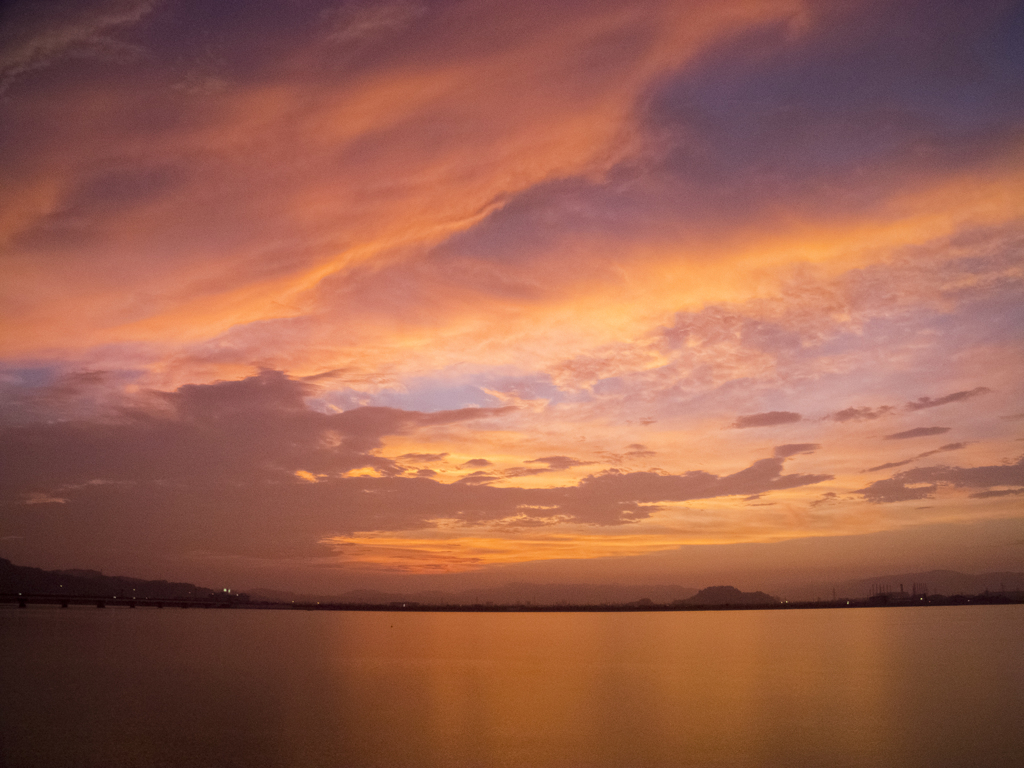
(728, 596)
(19, 579)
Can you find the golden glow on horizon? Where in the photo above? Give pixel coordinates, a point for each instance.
(454, 554)
(451, 547)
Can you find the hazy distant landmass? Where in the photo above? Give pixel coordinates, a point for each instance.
(508, 594)
(18, 579)
(15, 579)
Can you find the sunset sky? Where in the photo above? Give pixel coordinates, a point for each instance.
(435, 293)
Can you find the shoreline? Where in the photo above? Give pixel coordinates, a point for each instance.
(66, 601)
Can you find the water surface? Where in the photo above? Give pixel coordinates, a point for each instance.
(938, 686)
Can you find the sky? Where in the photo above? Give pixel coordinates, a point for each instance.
(429, 294)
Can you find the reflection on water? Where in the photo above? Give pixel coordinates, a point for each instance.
(908, 687)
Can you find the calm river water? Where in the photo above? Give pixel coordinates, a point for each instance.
(926, 687)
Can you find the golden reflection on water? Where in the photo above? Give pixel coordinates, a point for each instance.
(666, 689)
(908, 687)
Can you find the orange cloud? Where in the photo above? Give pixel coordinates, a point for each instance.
(271, 185)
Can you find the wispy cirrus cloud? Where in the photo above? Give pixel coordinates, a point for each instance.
(476, 463)
(956, 397)
(862, 413)
(37, 35)
(793, 449)
(909, 434)
(769, 419)
(361, 23)
(555, 463)
(941, 449)
(997, 494)
(429, 457)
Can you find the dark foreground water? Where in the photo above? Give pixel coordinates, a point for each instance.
(923, 687)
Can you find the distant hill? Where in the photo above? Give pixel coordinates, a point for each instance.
(18, 579)
(729, 596)
(509, 594)
(934, 582)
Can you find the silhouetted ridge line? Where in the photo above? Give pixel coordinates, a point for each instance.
(726, 595)
(76, 582)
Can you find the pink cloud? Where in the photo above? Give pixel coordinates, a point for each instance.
(956, 397)
(922, 482)
(861, 414)
(770, 419)
(918, 432)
